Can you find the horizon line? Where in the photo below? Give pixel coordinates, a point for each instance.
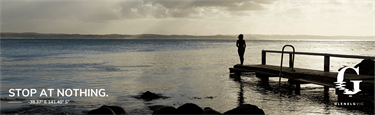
(194, 35)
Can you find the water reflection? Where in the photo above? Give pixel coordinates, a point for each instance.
(237, 78)
(241, 99)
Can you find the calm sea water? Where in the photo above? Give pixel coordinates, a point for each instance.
(186, 70)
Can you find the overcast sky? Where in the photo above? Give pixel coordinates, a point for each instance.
(191, 17)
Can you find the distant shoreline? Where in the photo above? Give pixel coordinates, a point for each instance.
(159, 36)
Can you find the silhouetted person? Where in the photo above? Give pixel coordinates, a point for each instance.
(241, 47)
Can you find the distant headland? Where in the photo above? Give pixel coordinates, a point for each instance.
(32, 35)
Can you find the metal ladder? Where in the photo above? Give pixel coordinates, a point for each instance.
(281, 64)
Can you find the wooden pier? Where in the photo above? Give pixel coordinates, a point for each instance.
(300, 76)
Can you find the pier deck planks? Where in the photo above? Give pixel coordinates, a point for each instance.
(306, 75)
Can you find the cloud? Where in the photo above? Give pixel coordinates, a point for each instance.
(101, 11)
(246, 6)
(60, 10)
(335, 2)
(187, 8)
(188, 16)
(320, 17)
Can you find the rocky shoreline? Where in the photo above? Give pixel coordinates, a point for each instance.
(187, 108)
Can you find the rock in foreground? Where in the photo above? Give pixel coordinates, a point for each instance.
(148, 96)
(165, 110)
(108, 110)
(246, 109)
(210, 111)
(190, 108)
(366, 67)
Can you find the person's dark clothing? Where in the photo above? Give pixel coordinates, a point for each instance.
(241, 49)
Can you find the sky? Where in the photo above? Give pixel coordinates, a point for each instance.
(190, 17)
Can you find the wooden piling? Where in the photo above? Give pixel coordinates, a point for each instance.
(326, 89)
(291, 63)
(263, 58)
(326, 63)
(264, 78)
(298, 88)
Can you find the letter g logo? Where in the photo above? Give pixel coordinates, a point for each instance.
(340, 82)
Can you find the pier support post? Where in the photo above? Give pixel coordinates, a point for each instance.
(290, 60)
(326, 93)
(326, 63)
(263, 57)
(326, 89)
(237, 75)
(298, 88)
(264, 78)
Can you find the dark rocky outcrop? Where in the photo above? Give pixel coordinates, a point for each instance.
(210, 111)
(366, 67)
(245, 109)
(165, 110)
(148, 96)
(101, 110)
(118, 110)
(108, 110)
(155, 107)
(189, 108)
